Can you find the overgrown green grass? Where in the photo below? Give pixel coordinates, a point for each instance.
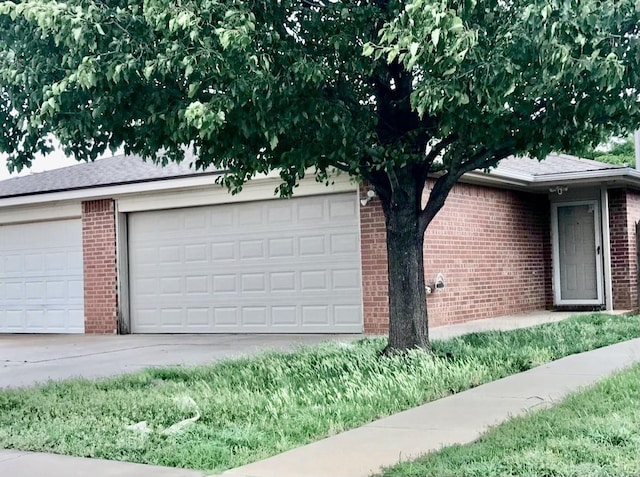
(256, 407)
(595, 432)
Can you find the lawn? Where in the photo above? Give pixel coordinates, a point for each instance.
(595, 432)
(256, 407)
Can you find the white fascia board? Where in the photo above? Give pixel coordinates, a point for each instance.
(512, 179)
(102, 192)
(213, 194)
(509, 181)
(628, 175)
(164, 185)
(40, 212)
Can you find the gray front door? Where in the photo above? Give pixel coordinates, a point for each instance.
(578, 258)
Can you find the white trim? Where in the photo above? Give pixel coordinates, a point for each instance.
(601, 174)
(504, 178)
(359, 206)
(122, 267)
(636, 147)
(606, 248)
(105, 192)
(175, 184)
(555, 245)
(213, 194)
(40, 213)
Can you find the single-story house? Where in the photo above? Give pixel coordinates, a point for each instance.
(123, 246)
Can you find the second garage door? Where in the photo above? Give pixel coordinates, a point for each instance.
(41, 278)
(277, 266)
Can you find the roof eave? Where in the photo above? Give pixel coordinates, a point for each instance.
(494, 179)
(111, 190)
(526, 182)
(622, 176)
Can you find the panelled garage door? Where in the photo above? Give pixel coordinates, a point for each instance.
(276, 266)
(41, 289)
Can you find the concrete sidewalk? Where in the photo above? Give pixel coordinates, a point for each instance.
(25, 464)
(458, 419)
(359, 453)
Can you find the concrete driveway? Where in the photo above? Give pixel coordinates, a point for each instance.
(29, 359)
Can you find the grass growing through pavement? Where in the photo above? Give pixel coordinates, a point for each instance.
(591, 433)
(256, 407)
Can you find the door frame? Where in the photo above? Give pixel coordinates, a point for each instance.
(555, 244)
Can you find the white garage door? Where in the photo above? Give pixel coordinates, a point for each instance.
(41, 289)
(277, 266)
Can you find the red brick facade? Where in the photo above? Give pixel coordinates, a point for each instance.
(100, 274)
(624, 213)
(373, 249)
(493, 247)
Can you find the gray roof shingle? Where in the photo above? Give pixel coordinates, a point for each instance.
(103, 172)
(131, 169)
(552, 164)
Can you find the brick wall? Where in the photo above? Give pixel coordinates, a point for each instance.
(492, 246)
(633, 216)
(624, 212)
(373, 248)
(100, 278)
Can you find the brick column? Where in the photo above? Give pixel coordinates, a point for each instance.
(373, 249)
(100, 274)
(624, 212)
(633, 216)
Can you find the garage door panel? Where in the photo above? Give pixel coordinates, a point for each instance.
(43, 319)
(41, 268)
(224, 284)
(312, 283)
(226, 317)
(346, 315)
(281, 266)
(284, 316)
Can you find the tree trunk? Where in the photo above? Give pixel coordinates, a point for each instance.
(408, 327)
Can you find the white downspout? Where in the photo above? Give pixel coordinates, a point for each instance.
(636, 142)
(606, 247)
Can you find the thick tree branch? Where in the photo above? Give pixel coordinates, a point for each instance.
(340, 166)
(440, 147)
(380, 182)
(443, 185)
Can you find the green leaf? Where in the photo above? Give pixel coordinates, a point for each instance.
(148, 71)
(413, 48)
(367, 49)
(77, 34)
(435, 37)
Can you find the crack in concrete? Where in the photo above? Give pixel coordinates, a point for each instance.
(98, 353)
(10, 457)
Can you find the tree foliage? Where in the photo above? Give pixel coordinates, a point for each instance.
(387, 91)
(615, 151)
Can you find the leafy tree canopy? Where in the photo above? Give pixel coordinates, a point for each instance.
(620, 151)
(385, 90)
